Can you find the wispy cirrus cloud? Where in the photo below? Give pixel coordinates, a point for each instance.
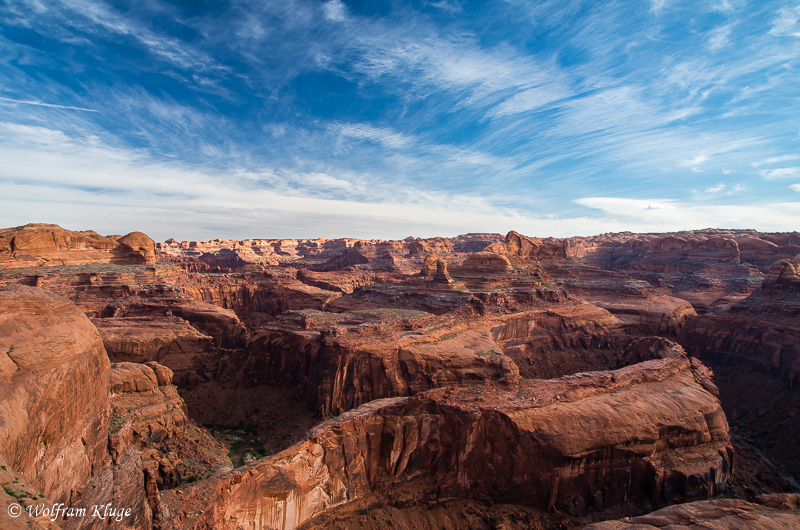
(43, 104)
(720, 189)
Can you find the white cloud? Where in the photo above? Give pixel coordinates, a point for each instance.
(527, 100)
(81, 183)
(775, 160)
(42, 104)
(662, 215)
(780, 173)
(786, 23)
(696, 161)
(720, 189)
(628, 207)
(335, 10)
(656, 6)
(718, 38)
(385, 136)
(450, 7)
(795, 187)
(167, 48)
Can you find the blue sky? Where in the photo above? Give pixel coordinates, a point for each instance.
(370, 119)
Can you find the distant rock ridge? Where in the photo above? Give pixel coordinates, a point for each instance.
(49, 244)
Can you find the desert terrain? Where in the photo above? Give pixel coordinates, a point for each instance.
(480, 381)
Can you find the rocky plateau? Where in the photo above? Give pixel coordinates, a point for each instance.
(479, 381)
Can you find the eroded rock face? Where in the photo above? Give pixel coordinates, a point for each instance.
(54, 402)
(761, 331)
(336, 374)
(769, 512)
(168, 340)
(158, 412)
(783, 277)
(649, 431)
(486, 262)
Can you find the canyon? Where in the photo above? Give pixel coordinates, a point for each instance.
(484, 381)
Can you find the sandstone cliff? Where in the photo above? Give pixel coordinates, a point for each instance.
(54, 402)
(646, 431)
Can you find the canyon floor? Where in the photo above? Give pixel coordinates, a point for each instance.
(480, 381)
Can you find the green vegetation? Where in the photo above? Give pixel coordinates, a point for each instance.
(248, 428)
(192, 479)
(234, 449)
(396, 311)
(12, 491)
(18, 494)
(116, 422)
(260, 450)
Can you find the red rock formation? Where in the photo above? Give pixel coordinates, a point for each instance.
(139, 246)
(518, 246)
(54, 397)
(337, 369)
(760, 331)
(648, 431)
(769, 512)
(783, 277)
(46, 244)
(486, 262)
(442, 330)
(561, 340)
(168, 340)
(441, 275)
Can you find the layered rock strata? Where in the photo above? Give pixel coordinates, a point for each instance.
(761, 331)
(648, 431)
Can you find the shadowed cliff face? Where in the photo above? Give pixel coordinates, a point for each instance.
(761, 331)
(768, 512)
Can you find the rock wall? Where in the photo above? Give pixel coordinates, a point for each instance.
(54, 402)
(336, 376)
(747, 342)
(649, 431)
